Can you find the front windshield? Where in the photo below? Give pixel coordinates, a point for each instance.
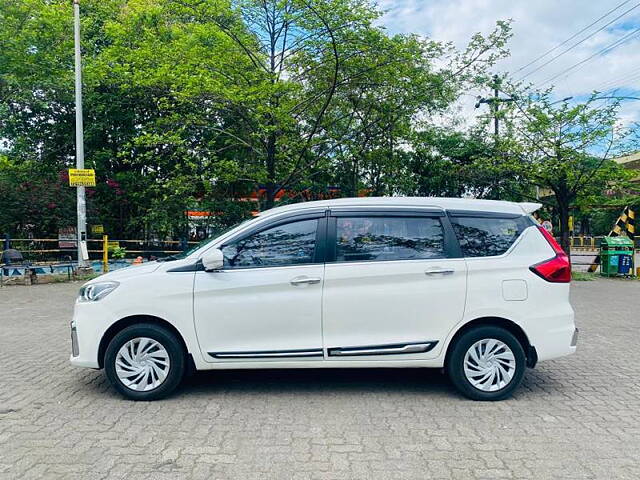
(199, 245)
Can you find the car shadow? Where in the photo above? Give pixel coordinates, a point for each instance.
(319, 381)
(335, 381)
(427, 382)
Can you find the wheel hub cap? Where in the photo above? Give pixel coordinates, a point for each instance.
(142, 364)
(489, 365)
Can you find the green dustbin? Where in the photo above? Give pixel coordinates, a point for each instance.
(616, 256)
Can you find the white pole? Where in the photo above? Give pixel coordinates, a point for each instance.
(81, 205)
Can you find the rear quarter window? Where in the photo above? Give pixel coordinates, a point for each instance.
(487, 236)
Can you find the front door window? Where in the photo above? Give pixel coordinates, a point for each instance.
(289, 244)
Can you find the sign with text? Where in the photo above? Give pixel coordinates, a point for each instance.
(67, 237)
(97, 229)
(82, 177)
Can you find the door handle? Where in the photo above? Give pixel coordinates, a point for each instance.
(439, 271)
(305, 280)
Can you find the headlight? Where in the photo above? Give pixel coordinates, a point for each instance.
(96, 291)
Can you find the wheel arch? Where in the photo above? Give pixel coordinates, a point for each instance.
(125, 322)
(509, 325)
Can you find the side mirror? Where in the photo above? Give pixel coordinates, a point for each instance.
(213, 260)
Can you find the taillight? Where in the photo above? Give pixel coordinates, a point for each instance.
(556, 269)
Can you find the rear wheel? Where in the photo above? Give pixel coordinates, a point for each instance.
(486, 363)
(145, 362)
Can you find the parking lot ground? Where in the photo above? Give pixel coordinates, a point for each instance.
(574, 418)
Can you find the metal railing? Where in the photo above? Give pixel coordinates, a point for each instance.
(43, 249)
(592, 243)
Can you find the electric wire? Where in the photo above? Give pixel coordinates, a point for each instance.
(579, 42)
(571, 37)
(607, 49)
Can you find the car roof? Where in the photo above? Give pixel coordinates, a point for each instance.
(497, 206)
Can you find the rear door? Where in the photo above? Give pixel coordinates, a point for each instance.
(394, 284)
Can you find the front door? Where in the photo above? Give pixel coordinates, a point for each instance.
(394, 288)
(266, 301)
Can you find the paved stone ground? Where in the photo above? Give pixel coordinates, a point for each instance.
(574, 418)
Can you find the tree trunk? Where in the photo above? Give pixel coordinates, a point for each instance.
(271, 196)
(271, 172)
(354, 178)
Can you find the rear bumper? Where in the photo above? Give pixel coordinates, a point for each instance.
(554, 336)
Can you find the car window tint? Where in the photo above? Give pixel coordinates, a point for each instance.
(388, 238)
(486, 237)
(288, 244)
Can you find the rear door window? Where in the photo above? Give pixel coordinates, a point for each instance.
(486, 236)
(388, 238)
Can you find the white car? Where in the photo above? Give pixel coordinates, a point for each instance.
(472, 286)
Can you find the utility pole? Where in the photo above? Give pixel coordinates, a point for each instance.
(81, 206)
(494, 102)
(496, 97)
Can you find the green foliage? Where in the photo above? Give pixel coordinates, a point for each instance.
(34, 198)
(195, 104)
(583, 276)
(118, 252)
(448, 163)
(564, 150)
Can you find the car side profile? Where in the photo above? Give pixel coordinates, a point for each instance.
(472, 286)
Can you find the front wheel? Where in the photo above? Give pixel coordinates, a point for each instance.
(145, 362)
(486, 363)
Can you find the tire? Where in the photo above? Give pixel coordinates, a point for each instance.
(159, 364)
(481, 344)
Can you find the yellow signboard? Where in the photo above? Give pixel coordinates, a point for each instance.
(113, 244)
(97, 229)
(83, 177)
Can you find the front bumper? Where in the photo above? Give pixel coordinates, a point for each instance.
(75, 349)
(90, 322)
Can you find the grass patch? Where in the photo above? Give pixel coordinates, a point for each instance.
(86, 278)
(583, 276)
(63, 278)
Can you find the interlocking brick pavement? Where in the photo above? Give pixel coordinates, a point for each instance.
(574, 418)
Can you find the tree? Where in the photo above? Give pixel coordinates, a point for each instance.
(380, 123)
(448, 163)
(325, 79)
(193, 104)
(35, 199)
(564, 148)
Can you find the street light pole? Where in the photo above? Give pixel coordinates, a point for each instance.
(80, 193)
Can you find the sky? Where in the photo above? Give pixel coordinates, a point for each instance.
(539, 26)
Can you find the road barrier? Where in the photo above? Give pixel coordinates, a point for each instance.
(625, 224)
